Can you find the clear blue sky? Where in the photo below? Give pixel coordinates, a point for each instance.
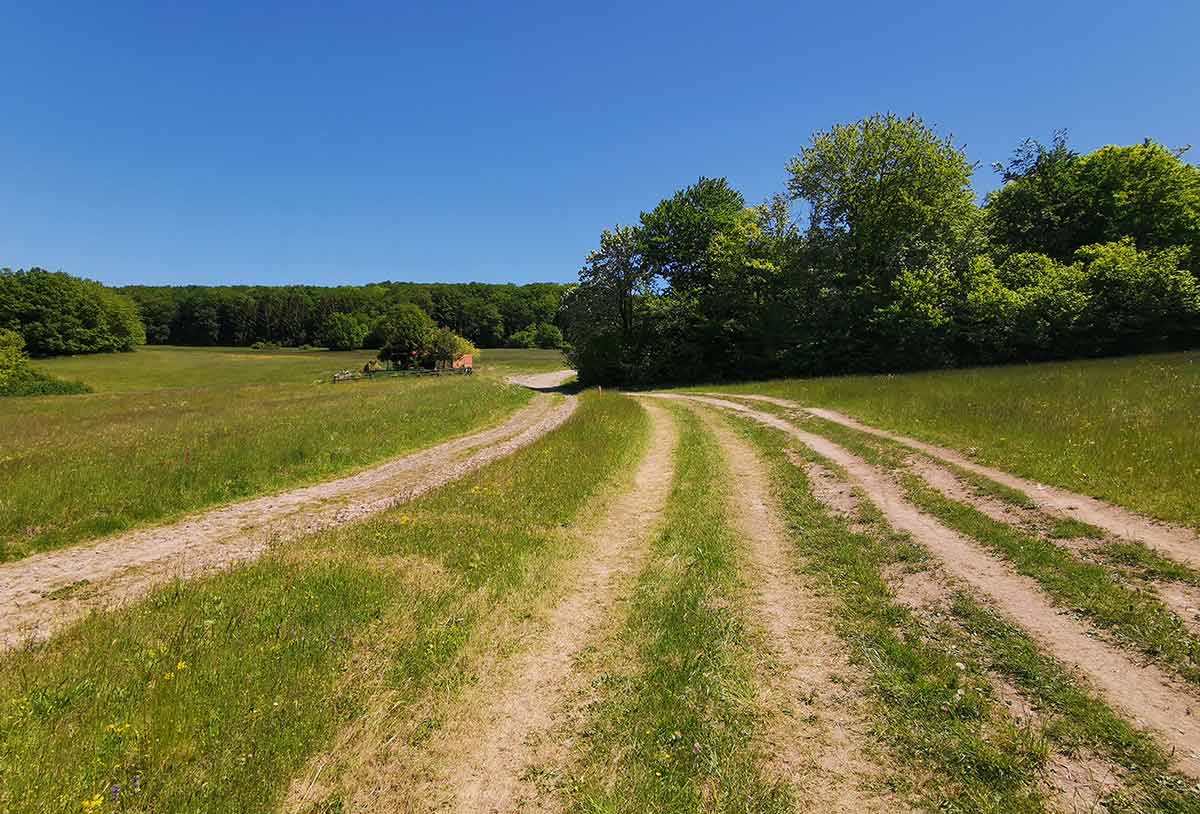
(335, 143)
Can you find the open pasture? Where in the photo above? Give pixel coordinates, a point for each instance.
(172, 430)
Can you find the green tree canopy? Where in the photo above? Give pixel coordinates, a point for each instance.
(1054, 200)
(407, 332)
(56, 313)
(885, 194)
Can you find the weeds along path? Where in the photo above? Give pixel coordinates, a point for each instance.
(1178, 543)
(494, 748)
(816, 741)
(44, 592)
(1140, 691)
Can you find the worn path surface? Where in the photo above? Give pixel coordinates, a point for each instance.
(817, 739)
(1179, 543)
(41, 593)
(488, 777)
(1141, 691)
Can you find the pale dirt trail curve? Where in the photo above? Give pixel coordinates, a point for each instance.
(818, 746)
(1141, 691)
(488, 777)
(1179, 543)
(117, 570)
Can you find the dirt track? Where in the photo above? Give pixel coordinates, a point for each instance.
(489, 776)
(1142, 691)
(817, 738)
(42, 593)
(1180, 544)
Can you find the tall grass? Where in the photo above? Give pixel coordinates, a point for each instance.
(1123, 430)
(212, 695)
(73, 469)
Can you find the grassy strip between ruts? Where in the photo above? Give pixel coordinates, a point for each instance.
(935, 706)
(211, 695)
(674, 728)
(1134, 617)
(88, 466)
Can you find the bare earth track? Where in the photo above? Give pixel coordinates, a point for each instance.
(488, 778)
(1142, 691)
(1178, 543)
(818, 747)
(42, 593)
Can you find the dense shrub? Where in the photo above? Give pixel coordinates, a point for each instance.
(17, 378)
(59, 314)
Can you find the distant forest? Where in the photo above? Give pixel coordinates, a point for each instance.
(878, 258)
(56, 313)
(488, 315)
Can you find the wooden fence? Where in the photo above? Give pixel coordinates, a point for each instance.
(359, 375)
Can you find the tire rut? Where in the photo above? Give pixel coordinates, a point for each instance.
(489, 776)
(1141, 691)
(42, 593)
(1177, 542)
(818, 738)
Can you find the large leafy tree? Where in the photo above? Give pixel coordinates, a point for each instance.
(1054, 200)
(408, 332)
(885, 194)
(600, 314)
(56, 313)
(675, 236)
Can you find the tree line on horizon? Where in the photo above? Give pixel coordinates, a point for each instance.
(56, 313)
(878, 258)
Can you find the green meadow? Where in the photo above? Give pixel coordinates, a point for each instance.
(172, 430)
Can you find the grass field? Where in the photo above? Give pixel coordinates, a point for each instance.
(210, 696)
(1123, 430)
(171, 430)
(852, 656)
(154, 367)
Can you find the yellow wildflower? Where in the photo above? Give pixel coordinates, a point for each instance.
(94, 803)
(181, 666)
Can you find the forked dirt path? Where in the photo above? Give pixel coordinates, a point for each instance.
(1178, 543)
(817, 738)
(1141, 691)
(488, 775)
(42, 593)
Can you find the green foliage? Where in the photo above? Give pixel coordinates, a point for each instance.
(57, 313)
(294, 315)
(17, 378)
(445, 347)
(344, 332)
(407, 333)
(548, 336)
(1054, 200)
(885, 194)
(524, 338)
(1092, 255)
